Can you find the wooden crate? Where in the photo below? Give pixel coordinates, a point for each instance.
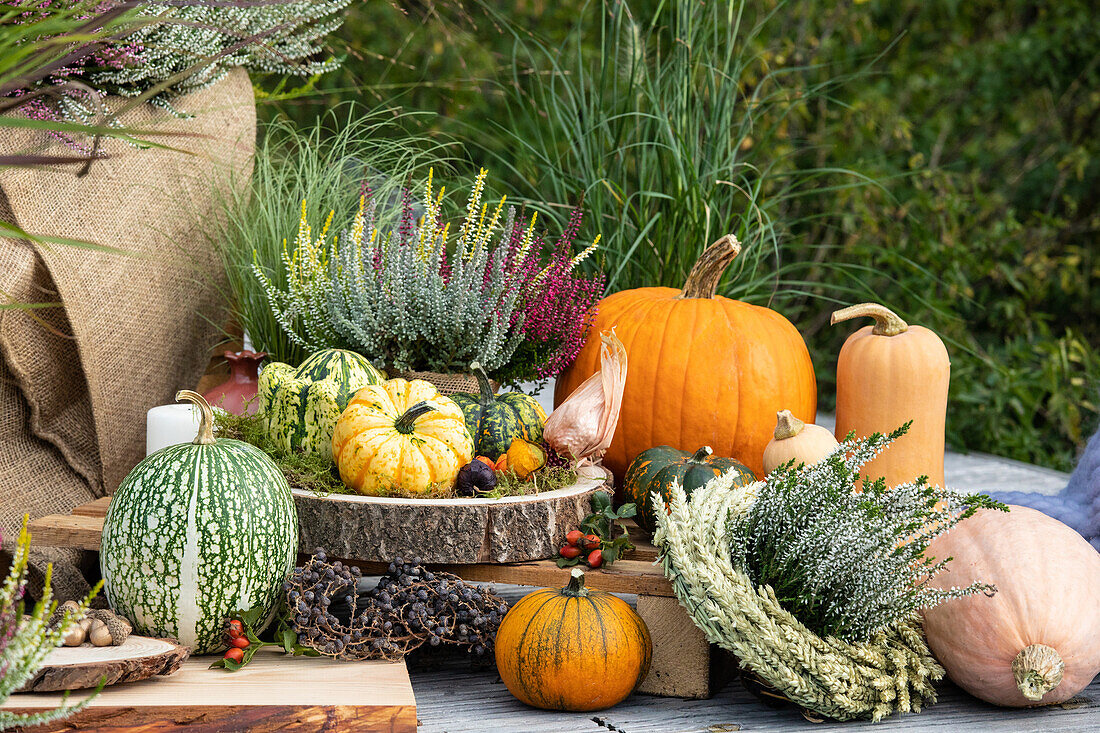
(684, 664)
(273, 692)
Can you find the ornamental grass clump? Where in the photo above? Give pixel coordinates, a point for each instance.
(26, 638)
(814, 581)
(419, 297)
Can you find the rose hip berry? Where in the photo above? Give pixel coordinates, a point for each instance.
(574, 537)
(234, 628)
(237, 655)
(239, 642)
(591, 542)
(569, 552)
(595, 559)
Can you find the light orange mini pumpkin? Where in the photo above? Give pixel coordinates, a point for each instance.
(794, 440)
(572, 648)
(1036, 641)
(704, 369)
(888, 374)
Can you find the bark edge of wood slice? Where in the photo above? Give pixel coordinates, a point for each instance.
(82, 667)
(450, 531)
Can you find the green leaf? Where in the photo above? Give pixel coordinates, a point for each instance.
(290, 640)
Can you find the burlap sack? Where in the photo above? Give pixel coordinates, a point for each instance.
(129, 330)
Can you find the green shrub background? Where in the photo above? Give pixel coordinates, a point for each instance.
(979, 120)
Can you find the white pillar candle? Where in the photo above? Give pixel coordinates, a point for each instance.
(171, 425)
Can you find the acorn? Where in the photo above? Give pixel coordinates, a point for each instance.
(108, 628)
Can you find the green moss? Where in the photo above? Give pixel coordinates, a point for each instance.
(309, 472)
(547, 478)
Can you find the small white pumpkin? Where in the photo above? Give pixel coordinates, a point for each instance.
(797, 441)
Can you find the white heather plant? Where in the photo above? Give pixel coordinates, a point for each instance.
(180, 46)
(27, 638)
(416, 297)
(849, 563)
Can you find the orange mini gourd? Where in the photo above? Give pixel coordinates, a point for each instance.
(572, 648)
(704, 369)
(888, 374)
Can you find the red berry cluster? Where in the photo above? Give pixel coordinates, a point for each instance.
(237, 641)
(578, 543)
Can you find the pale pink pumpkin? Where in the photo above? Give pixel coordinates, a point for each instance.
(1037, 640)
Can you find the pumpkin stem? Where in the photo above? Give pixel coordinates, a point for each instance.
(404, 424)
(787, 425)
(483, 383)
(206, 416)
(887, 322)
(702, 281)
(1038, 670)
(702, 455)
(576, 587)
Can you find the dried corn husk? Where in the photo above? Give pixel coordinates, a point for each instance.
(582, 426)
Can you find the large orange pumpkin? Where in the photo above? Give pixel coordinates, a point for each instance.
(704, 369)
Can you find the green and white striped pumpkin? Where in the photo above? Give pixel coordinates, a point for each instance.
(196, 532)
(301, 406)
(495, 421)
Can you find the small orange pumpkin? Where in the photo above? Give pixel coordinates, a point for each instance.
(704, 369)
(524, 458)
(573, 648)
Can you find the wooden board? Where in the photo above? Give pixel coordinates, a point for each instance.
(453, 531)
(274, 692)
(626, 576)
(81, 667)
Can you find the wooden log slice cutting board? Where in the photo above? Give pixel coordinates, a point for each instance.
(454, 531)
(81, 667)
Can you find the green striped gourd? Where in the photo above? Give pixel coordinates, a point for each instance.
(301, 406)
(196, 532)
(495, 421)
(655, 470)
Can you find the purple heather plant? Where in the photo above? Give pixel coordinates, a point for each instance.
(417, 296)
(557, 308)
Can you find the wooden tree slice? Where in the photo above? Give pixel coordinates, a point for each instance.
(81, 667)
(462, 531)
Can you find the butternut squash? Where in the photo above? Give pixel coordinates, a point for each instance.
(888, 374)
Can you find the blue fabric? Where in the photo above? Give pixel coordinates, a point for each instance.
(1077, 505)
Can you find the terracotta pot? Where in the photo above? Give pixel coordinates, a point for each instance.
(238, 394)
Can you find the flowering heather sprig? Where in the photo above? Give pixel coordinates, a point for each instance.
(27, 638)
(192, 44)
(849, 563)
(559, 306)
(416, 298)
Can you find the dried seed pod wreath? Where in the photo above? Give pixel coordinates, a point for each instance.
(851, 565)
(333, 612)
